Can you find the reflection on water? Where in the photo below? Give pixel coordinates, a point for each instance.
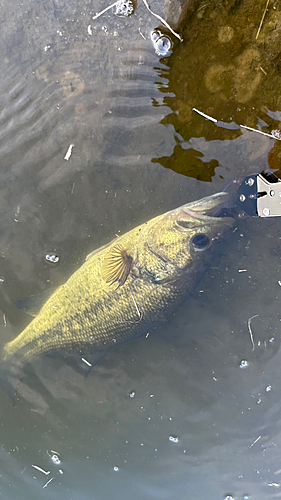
(231, 72)
(202, 420)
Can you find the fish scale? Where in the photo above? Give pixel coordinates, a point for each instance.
(126, 288)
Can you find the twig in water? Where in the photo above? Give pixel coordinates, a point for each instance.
(105, 10)
(260, 132)
(256, 440)
(141, 34)
(46, 484)
(205, 116)
(140, 313)
(86, 362)
(264, 72)
(69, 152)
(162, 21)
(262, 19)
(136, 306)
(147, 6)
(46, 472)
(250, 330)
(55, 452)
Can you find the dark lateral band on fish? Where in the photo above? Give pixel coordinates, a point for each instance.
(128, 287)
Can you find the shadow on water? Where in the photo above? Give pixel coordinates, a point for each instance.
(191, 411)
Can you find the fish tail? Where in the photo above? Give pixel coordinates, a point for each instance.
(9, 375)
(8, 383)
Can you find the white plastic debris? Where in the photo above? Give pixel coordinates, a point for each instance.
(69, 152)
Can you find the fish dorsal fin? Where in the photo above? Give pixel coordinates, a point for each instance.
(99, 249)
(116, 266)
(33, 304)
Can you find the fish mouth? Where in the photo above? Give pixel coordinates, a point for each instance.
(220, 207)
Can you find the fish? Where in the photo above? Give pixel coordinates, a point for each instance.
(128, 287)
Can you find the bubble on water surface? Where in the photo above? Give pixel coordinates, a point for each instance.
(124, 8)
(116, 468)
(163, 46)
(162, 43)
(229, 497)
(155, 35)
(52, 257)
(174, 439)
(54, 457)
(246, 497)
(244, 364)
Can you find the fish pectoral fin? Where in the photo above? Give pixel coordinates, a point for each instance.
(85, 363)
(31, 305)
(116, 266)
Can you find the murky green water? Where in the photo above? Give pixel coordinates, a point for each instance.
(174, 415)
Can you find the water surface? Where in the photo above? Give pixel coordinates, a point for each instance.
(191, 411)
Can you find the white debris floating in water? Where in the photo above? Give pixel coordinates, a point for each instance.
(132, 394)
(86, 362)
(276, 133)
(124, 8)
(69, 152)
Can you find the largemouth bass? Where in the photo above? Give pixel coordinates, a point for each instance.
(128, 287)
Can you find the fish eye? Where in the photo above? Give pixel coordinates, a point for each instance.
(200, 241)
